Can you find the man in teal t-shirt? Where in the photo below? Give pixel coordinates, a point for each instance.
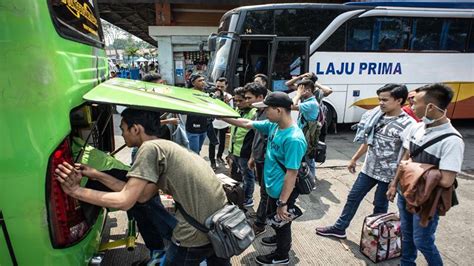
(286, 145)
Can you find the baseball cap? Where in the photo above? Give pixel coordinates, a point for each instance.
(195, 77)
(275, 99)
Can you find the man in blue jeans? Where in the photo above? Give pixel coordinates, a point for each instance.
(241, 143)
(383, 144)
(430, 103)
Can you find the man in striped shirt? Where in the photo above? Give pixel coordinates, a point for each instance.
(430, 103)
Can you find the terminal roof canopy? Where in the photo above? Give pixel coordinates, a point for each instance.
(135, 16)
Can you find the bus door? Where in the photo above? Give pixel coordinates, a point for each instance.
(289, 58)
(253, 57)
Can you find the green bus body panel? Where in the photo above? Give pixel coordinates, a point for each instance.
(42, 78)
(160, 97)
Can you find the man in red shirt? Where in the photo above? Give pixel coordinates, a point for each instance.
(407, 108)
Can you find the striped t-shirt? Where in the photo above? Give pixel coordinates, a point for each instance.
(447, 154)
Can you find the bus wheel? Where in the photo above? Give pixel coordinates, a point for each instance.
(331, 119)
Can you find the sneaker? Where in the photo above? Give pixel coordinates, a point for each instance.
(269, 241)
(331, 231)
(156, 258)
(249, 203)
(258, 230)
(220, 160)
(272, 258)
(213, 165)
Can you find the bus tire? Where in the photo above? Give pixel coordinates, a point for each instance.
(331, 119)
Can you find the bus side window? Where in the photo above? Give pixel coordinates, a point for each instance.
(378, 34)
(359, 34)
(440, 34)
(470, 45)
(454, 34)
(426, 33)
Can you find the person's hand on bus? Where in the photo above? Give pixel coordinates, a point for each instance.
(86, 170)
(69, 177)
(352, 166)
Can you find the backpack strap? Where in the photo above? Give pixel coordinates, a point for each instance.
(431, 142)
(199, 226)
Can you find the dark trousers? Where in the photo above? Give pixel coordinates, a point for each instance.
(361, 187)
(220, 133)
(154, 222)
(260, 220)
(176, 255)
(283, 234)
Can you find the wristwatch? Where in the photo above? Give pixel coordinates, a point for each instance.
(281, 203)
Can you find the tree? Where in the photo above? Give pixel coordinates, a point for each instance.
(111, 34)
(131, 51)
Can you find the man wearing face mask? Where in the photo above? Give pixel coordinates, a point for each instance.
(430, 103)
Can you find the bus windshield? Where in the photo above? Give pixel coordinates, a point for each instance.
(220, 60)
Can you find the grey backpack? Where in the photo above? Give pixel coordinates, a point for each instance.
(228, 229)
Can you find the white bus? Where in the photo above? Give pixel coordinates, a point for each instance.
(354, 49)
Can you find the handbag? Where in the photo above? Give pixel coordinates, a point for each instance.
(228, 230)
(305, 182)
(320, 156)
(381, 237)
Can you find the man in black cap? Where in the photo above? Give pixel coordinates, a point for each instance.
(196, 126)
(286, 146)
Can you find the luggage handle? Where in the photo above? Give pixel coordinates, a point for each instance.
(383, 216)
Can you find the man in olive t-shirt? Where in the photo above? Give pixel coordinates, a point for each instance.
(159, 164)
(185, 176)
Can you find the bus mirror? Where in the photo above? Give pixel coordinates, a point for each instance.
(211, 42)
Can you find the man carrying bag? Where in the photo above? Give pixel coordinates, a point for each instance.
(446, 154)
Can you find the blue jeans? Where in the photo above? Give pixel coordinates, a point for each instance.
(415, 237)
(312, 165)
(196, 140)
(176, 255)
(247, 176)
(361, 187)
(154, 222)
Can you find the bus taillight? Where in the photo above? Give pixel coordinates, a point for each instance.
(67, 224)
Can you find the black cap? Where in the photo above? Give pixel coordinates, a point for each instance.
(194, 77)
(275, 99)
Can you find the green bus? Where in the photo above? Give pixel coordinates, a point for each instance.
(52, 60)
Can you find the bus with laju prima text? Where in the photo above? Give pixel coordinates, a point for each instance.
(354, 49)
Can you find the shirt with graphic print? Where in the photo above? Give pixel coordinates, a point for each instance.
(384, 154)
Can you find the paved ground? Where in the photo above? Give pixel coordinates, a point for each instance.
(455, 235)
